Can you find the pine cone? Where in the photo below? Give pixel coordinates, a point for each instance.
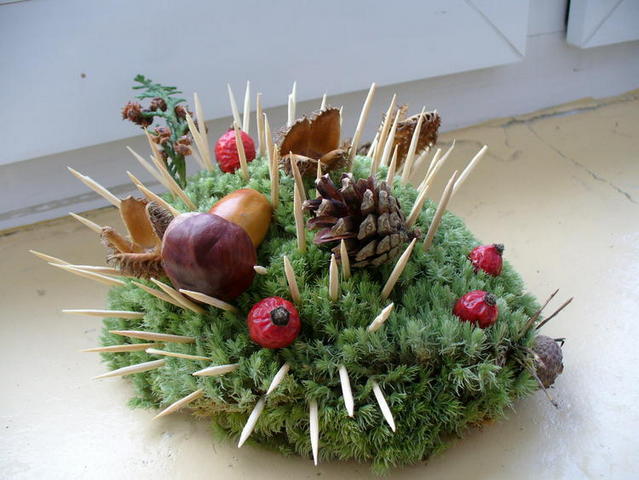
(364, 214)
(549, 360)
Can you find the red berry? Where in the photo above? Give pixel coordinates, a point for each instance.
(226, 151)
(274, 323)
(487, 258)
(477, 307)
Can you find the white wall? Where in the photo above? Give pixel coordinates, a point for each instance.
(551, 72)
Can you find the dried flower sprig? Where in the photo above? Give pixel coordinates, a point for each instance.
(174, 139)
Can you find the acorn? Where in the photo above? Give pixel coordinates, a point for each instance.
(548, 359)
(247, 208)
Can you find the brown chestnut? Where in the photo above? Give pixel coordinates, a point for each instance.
(208, 254)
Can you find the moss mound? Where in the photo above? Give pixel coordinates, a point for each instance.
(440, 376)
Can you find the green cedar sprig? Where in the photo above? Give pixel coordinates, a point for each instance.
(173, 137)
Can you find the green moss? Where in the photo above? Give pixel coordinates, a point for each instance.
(440, 376)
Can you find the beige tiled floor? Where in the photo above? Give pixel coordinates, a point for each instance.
(560, 188)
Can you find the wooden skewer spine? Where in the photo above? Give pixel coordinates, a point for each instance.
(295, 169)
(214, 302)
(392, 168)
(155, 351)
(292, 105)
(112, 282)
(346, 262)
(383, 133)
(234, 110)
(417, 206)
(377, 323)
(204, 137)
(49, 258)
(260, 270)
(96, 187)
(251, 422)
(240, 151)
(270, 147)
(471, 165)
(160, 337)
(131, 369)
(410, 156)
(313, 418)
(216, 370)
(433, 167)
(388, 147)
(87, 223)
(246, 117)
(347, 393)
(152, 197)
(437, 166)
(127, 347)
(439, 213)
(159, 294)
(383, 406)
(277, 379)
(323, 104)
(274, 168)
(371, 149)
(292, 282)
(362, 121)
(178, 297)
(149, 168)
(106, 313)
(299, 219)
(99, 269)
(333, 279)
(174, 407)
(398, 269)
(261, 139)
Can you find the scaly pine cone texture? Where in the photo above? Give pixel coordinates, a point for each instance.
(365, 214)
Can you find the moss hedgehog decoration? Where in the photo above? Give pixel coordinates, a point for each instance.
(311, 299)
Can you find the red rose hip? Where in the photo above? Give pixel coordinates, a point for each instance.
(226, 151)
(477, 307)
(273, 323)
(487, 258)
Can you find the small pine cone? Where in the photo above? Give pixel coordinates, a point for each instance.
(158, 104)
(548, 360)
(162, 134)
(364, 214)
(182, 149)
(132, 111)
(180, 111)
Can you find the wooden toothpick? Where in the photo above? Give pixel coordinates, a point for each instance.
(277, 379)
(96, 187)
(261, 139)
(106, 313)
(346, 262)
(383, 133)
(347, 393)
(299, 219)
(410, 156)
(392, 168)
(205, 153)
(240, 151)
(417, 207)
(149, 168)
(270, 146)
(333, 279)
(439, 213)
(234, 110)
(388, 148)
(379, 320)
(216, 370)
(292, 282)
(159, 337)
(362, 121)
(49, 258)
(274, 168)
(127, 347)
(246, 118)
(174, 407)
(87, 223)
(214, 302)
(251, 422)
(383, 406)
(99, 269)
(437, 164)
(131, 369)
(313, 419)
(323, 104)
(178, 297)
(201, 150)
(554, 314)
(155, 351)
(98, 277)
(152, 197)
(469, 168)
(398, 269)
